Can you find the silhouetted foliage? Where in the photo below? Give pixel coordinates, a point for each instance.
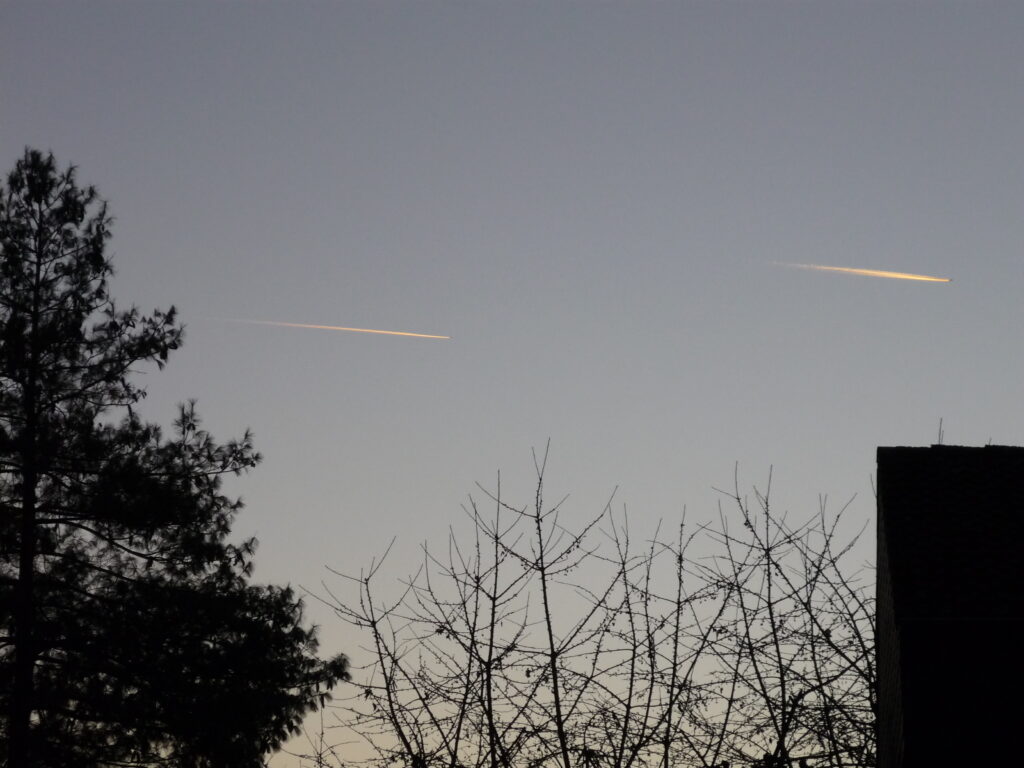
(131, 632)
(530, 644)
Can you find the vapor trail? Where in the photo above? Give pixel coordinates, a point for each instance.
(870, 272)
(336, 328)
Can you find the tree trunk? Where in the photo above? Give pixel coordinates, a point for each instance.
(19, 746)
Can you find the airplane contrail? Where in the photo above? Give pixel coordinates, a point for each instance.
(870, 272)
(335, 328)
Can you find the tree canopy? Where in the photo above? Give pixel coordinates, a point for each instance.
(528, 642)
(132, 633)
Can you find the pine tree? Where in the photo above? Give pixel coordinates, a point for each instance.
(132, 632)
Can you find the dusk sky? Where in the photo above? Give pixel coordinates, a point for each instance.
(593, 200)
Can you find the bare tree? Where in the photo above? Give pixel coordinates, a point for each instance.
(793, 663)
(530, 643)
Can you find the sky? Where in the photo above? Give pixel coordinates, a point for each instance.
(595, 201)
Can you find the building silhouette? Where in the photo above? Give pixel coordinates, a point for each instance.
(950, 626)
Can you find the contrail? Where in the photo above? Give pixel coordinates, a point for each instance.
(335, 328)
(870, 272)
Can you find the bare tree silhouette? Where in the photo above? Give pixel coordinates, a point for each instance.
(528, 643)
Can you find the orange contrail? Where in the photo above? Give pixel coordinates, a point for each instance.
(871, 273)
(336, 328)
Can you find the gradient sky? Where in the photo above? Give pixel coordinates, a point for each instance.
(591, 199)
